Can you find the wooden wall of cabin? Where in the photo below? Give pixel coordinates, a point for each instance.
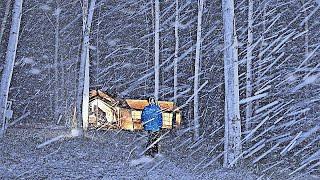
(136, 118)
(178, 119)
(126, 119)
(103, 111)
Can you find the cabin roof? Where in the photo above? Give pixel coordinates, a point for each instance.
(140, 104)
(136, 104)
(103, 95)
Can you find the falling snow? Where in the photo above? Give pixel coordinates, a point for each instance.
(247, 87)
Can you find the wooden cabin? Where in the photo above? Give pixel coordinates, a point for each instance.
(107, 112)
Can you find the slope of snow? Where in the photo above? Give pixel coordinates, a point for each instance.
(37, 153)
(41, 153)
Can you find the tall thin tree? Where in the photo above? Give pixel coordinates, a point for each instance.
(83, 86)
(9, 62)
(56, 62)
(249, 78)
(260, 54)
(176, 53)
(306, 29)
(197, 71)
(157, 50)
(232, 144)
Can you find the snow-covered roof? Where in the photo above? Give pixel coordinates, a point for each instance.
(103, 95)
(140, 104)
(136, 104)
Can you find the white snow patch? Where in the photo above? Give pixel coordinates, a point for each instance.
(113, 42)
(311, 79)
(28, 60)
(45, 7)
(307, 81)
(299, 112)
(35, 71)
(267, 106)
(313, 157)
(127, 65)
(92, 47)
(142, 160)
(57, 12)
(291, 78)
(183, 26)
(260, 91)
(51, 141)
(76, 132)
(253, 98)
(159, 155)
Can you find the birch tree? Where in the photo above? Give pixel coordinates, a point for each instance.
(157, 50)
(176, 53)
(9, 61)
(249, 78)
(232, 144)
(83, 86)
(56, 62)
(197, 70)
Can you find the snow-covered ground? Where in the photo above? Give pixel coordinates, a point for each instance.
(38, 153)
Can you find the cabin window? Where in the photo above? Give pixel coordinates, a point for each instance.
(167, 119)
(136, 114)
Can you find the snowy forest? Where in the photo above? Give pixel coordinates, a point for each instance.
(245, 75)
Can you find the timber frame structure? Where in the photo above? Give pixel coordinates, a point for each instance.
(107, 112)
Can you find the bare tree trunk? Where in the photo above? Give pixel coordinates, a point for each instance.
(306, 29)
(260, 55)
(176, 54)
(306, 40)
(56, 62)
(9, 62)
(232, 146)
(83, 86)
(83, 59)
(197, 70)
(249, 78)
(98, 47)
(148, 56)
(4, 20)
(157, 50)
